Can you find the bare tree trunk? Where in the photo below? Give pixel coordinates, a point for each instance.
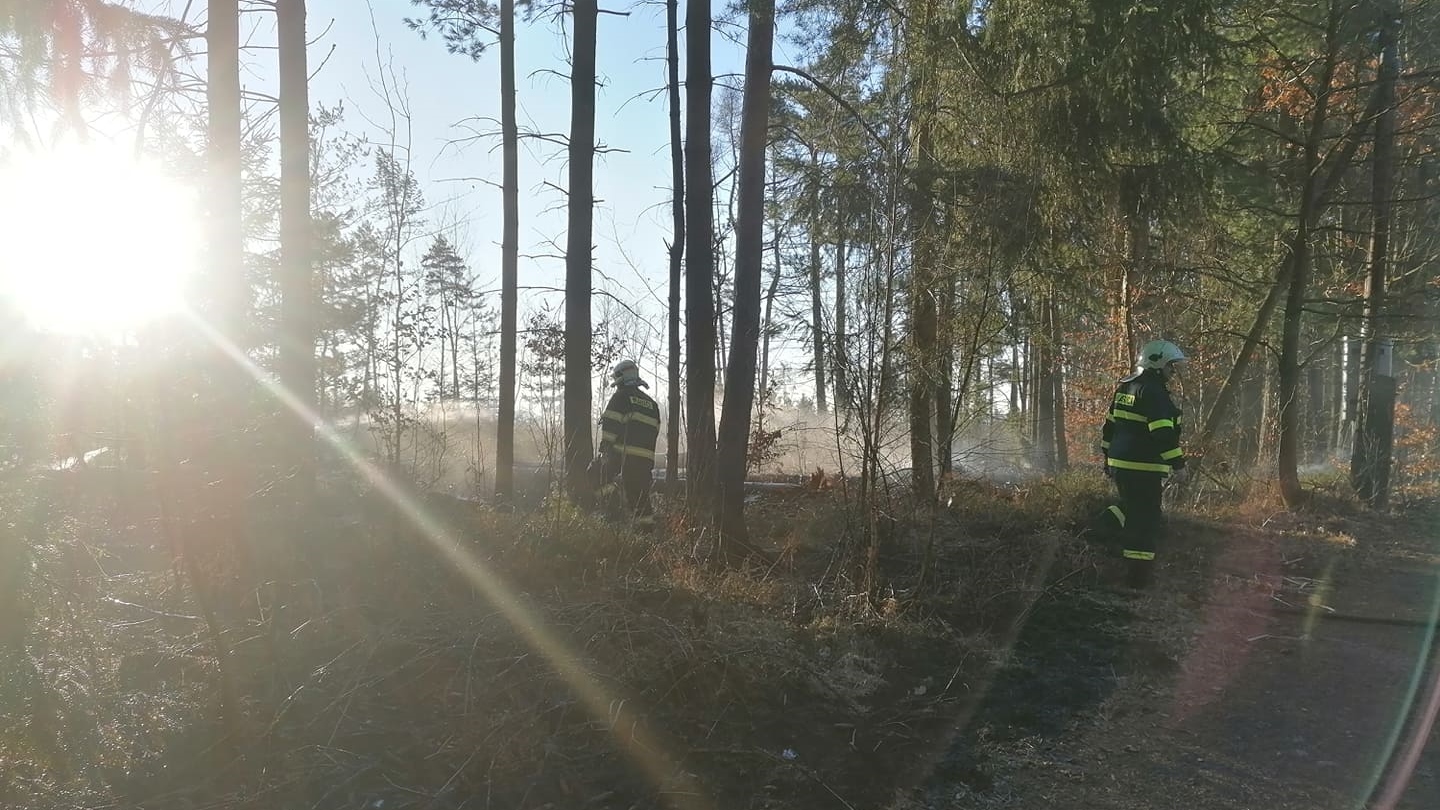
(700, 266)
(766, 326)
(223, 156)
(1335, 398)
(1265, 430)
(766, 329)
(1290, 372)
(1137, 238)
(444, 330)
(840, 356)
(1045, 387)
(749, 260)
(1057, 393)
(677, 244)
(297, 322)
(880, 383)
(509, 260)
(578, 247)
(1299, 280)
(922, 337)
(223, 456)
(945, 382)
(817, 317)
(1349, 416)
(1019, 378)
(1375, 434)
(455, 353)
(1316, 423)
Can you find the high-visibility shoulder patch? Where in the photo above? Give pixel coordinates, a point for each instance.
(1125, 399)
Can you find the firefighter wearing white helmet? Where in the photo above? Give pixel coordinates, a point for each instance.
(629, 431)
(1141, 445)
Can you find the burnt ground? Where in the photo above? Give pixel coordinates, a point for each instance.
(1269, 669)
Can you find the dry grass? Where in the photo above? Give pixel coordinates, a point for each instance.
(386, 672)
(609, 668)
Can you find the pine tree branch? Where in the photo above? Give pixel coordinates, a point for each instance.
(835, 97)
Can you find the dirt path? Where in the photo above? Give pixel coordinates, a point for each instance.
(1271, 703)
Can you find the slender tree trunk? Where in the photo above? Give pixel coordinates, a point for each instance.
(228, 288)
(397, 348)
(749, 261)
(444, 330)
(817, 310)
(1290, 372)
(766, 326)
(1057, 393)
(1299, 280)
(296, 339)
(455, 352)
(1045, 432)
(1137, 239)
(509, 260)
(578, 246)
(1374, 436)
(922, 337)
(840, 358)
(325, 393)
(762, 397)
(297, 321)
(1316, 424)
(227, 293)
(1265, 430)
(700, 266)
(1019, 379)
(880, 383)
(677, 244)
(945, 383)
(1350, 385)
(1335, 398)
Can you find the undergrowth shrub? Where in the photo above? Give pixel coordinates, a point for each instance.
(1066, 501)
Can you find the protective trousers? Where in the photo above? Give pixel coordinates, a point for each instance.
(636, 478)
(1141, 523)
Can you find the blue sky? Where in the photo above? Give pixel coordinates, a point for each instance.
(632, 217)
(350, 39)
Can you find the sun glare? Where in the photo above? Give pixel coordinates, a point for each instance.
(92, 240)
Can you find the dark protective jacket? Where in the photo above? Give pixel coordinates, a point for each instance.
(630, 426)
(1142, 428)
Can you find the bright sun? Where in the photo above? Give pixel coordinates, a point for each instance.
(92, 240)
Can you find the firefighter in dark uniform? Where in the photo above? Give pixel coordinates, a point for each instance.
(1141, 444)
(629, 429)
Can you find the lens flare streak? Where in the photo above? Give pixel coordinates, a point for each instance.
(668, 775)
